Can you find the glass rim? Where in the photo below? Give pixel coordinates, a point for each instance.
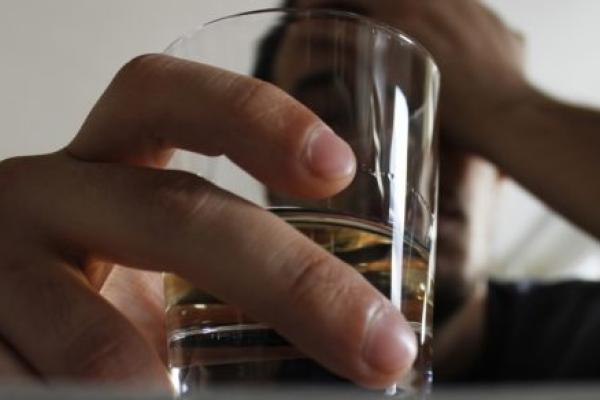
(317, 12)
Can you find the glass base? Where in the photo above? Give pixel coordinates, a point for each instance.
(205, 360)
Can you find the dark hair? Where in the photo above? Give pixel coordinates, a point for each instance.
(269, 47)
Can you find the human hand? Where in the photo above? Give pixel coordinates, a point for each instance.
(547, 145)
(70, 217)
(480, 58)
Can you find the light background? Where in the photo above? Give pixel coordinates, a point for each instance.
(57, 56)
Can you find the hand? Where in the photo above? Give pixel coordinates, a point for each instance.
(480, 58)
(70, 217)
(548, 146)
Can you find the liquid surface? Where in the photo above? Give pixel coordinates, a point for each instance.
(211, 342)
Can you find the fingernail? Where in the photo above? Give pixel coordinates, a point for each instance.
(390, 345)
(327, 156)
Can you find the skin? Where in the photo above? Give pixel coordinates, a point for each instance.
(58, 266)
(112, 206)
(489, 108)
(468, 183)
(489, 111)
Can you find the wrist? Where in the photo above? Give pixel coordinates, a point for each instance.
(496, 116)
(458, 344)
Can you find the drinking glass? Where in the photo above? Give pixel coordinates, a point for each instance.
(378, 90)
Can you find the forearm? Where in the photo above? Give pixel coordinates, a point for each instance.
(553, 150)
(460, 342)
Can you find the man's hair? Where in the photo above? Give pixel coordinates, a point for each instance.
(269, 47)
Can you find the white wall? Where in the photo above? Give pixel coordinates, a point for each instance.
(58, 55)
(563, 58)
(562, 44)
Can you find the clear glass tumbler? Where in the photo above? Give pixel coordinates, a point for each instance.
(378, 90)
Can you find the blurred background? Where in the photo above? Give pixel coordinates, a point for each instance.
(59, 55)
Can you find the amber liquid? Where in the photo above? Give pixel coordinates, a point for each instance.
(214, 343)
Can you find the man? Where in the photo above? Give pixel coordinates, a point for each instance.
(71, 217)
(502, 332)
(468, 183)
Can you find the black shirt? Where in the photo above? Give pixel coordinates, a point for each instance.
(540, 332)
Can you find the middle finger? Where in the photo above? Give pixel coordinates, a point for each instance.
(160, 220)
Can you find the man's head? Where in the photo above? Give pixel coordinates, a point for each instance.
(467, 183)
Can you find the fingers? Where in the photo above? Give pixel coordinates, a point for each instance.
(138, 295)
(12, 367)
(67, 331)
(172, 220)
(158, 102)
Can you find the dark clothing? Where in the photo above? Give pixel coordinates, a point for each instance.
(541, 332)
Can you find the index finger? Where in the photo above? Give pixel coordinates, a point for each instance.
(157, 103)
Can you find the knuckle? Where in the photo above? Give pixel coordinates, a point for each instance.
(258, 101)
(249, 95)
(142, 84)
(179, 198)
(317, 279)
(264, 107)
